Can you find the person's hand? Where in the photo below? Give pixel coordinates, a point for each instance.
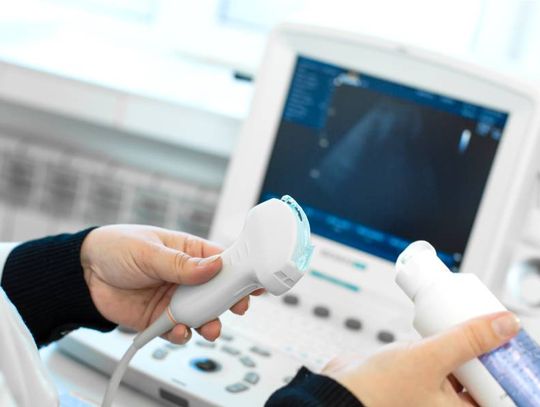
(132, 272)
(419, 374)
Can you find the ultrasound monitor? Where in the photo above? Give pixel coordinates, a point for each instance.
(382, 144)
(378, 164)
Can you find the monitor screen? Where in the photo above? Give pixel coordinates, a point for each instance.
(377, 164)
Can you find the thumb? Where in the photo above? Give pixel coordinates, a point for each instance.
(175, 266)
(471, 339)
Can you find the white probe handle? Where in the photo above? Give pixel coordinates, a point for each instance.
(196, 305)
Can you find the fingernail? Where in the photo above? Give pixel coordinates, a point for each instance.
(209, 260)
(506, 326)
(186, 333)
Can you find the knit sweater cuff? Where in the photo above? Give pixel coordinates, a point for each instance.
(44, 280)
(313, 390)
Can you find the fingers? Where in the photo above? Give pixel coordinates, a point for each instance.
(192, 245)
(469, 340)
(210, 249)
(211, 330)
(181, 258)
(241, 306)
(175, 266)
(179, 335)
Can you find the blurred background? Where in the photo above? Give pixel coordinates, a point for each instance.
(128, 110)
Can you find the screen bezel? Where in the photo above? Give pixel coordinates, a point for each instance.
(393, 62)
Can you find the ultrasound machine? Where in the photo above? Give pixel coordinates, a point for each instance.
(381, 144)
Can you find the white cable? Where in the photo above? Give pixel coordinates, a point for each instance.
(117, 376)
(158, 327)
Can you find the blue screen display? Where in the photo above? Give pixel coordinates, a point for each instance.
(378, 164)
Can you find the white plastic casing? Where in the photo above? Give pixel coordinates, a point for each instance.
(261, 257)
(444, 299)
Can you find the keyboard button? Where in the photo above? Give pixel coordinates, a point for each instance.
(321, 311)
(230, 350)
(226, 337)
(353, 324)
(173, 346)
(205, 365)
(260, 351)
(251, 378)
(236, 387)
(291, 299)
(386, 337)
(247, 361)
(160, 354)
(205, 344)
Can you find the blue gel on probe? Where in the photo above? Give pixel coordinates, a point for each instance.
(304, 249)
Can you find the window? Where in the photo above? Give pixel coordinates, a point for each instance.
(501, 33)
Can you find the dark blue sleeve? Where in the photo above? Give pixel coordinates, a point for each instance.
(44, 280)
(312, 390)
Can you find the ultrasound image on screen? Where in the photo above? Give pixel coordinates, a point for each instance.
(378, 164)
